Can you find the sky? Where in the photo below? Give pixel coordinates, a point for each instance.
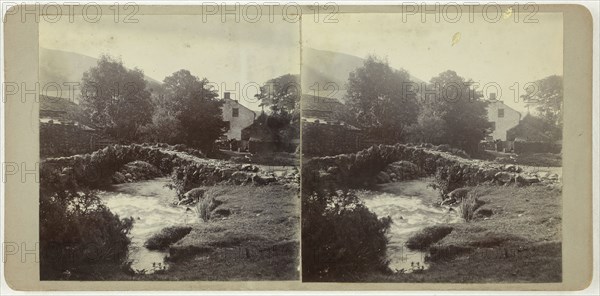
(501, 53)
(228, 54)
(504, 54)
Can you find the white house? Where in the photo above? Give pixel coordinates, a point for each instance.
(502, 117)
(237, 116)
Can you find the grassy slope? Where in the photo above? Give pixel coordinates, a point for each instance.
(520, 242)
(258, 241)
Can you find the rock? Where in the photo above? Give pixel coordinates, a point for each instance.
(239, 177)
(249, 168)
(402, 170)
(484, 212)
(524, 180)
(504, 177)
(543, 174)
(458, 194)
(195, 194)
(222, 212)
(118, 178)
(382, 177)
(262, 180)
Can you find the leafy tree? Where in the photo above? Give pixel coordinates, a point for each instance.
(547, 99)
(381, 99)
(281, 95)
(452, 112)
(115, 99)
(192, 105)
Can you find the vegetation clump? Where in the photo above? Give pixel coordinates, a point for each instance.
(428, 236)
(166, 237)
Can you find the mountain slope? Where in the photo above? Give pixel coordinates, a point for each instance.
(60, 67)
(325, 73)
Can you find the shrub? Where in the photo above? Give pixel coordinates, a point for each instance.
(470, 204)
(341, 238)
(428, 236)
(166, 237)
(208, 203)
(77, 231)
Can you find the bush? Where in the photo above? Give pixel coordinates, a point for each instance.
(77, 231)
(166, 237)
(341, 238)
(428, 236)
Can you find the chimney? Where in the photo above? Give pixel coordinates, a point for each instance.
(492, 96)
(227, 95)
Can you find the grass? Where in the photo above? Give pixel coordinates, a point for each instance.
(519, 242)
(470, 204)
(257, 240)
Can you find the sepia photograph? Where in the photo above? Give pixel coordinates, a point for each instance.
(326, 147)
(169, 149)
(432, 149)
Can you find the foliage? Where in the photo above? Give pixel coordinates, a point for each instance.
(381, 99)
(470, 204)
(452, 112)
(281, 95)
(547, 98)
(166, 237)
(341, 238)
(78, 231)
(115, 99)
(191, 105)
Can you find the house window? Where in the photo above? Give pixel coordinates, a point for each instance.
(500, 113)
(235, 112)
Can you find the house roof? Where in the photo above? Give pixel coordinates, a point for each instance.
(56, 104)
(504, 106)
(238, 104)
(316, 103)
(532, 128)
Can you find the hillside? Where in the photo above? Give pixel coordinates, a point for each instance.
(57, 66)
(322, 68)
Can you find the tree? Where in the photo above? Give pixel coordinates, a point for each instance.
(194, 105)
(452, 112)
(281, 95)
(115, 99)
(381, 99)
(547, 98)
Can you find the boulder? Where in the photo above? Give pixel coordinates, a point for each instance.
(263, 180)
(239, 177)
(524, 180)
(195, 194)
(249, 168)
(484, 212)
(458, 194)
(504, 177)
(382, 177)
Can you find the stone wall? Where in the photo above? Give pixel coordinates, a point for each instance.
(360, 169)
(96, 170)
(62, 140)
(521, 147)
(329, 139)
